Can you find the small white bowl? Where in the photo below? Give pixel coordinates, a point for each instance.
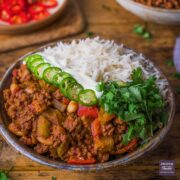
(157, 15)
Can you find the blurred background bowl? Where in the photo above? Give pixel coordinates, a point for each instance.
(34, 25)
(157, 15)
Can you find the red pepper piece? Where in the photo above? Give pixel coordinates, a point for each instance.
(19, 19)
(81, 161)
(96, 128)
(36, 8)
(49, 3)
(41, 15)
(88, 111)
(127, 148)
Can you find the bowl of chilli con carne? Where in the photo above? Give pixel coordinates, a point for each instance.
(161, 12)
(85, 105)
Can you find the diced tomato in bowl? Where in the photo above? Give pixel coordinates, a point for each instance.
(24, 11)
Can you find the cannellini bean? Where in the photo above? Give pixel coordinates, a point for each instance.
(14, 129)
(72, 107)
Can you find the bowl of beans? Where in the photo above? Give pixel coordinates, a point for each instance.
(158, 11)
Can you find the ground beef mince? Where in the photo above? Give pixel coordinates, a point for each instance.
(40, 117)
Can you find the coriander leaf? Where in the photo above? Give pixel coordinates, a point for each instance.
(147, 35)
(54, 178)
(89, 34)
(132, 116)
(100, 86)
(139, 103)
(136, 92)
(137, 75)
(138, 29)
(3, 175)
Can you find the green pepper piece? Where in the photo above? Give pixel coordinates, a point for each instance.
(40, 68)
(49, 73)
(59, 77)
(87, 97)
(65, 84)
(73, 91)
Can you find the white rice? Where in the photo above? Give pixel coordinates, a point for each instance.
(100, 60)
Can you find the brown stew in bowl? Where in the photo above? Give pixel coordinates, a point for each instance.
(54, 126)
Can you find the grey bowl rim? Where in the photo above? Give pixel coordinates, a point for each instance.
(12, 140)
(161, 10)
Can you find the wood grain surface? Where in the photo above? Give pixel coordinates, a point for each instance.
(68, 23)
(107, 19)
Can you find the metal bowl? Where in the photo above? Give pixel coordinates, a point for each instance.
(157, 15)
(121, 160)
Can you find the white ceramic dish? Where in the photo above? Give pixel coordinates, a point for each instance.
(157, 15)
(34, 25)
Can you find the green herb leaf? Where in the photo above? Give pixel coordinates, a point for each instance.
(138, 29)
(3, 175)
(89, 34)
(141, 30)
(147, 35)
(137, 103)
(54, 178)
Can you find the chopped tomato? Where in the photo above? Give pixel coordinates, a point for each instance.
(81, 161)
(41, 15)
(96, 128)
(36, 8)
(18, 19)
(5, 15)
(16, 9)
(49, 3)
(88, 111)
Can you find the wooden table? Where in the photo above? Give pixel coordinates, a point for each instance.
(109, 20)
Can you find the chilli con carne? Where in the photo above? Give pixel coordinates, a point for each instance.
(45, 120)
(57, 117)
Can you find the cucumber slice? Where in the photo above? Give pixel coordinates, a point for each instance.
(87, 97)
(39, 69)
(73, 91)
(34, 63)
(65, 84)
(59, 77)
(49, 73)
